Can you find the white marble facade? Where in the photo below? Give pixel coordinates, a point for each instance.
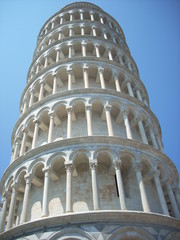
(87, 153)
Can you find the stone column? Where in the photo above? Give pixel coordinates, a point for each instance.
(51, 127)
(69, 79)
(105, 36)
(45, 203)
(122, 198)
(82, 31)
(96, 45)
(26, 199)
(85, 75)
(31, 101)
(35, 135)
(173, 201)
(127, 125)
(101, 76)
(177, 195)
(110, 55)
(130, 91)
(144, 198)
(37, 68)
(120, 59)
(69, 169)
(61, 20)
(25, 106)
(81, 15)
(52, 26)
(139, 95)
(83, 44)
(71, 18)
(50, 41)
(94, 186)
(70, 50)
(107, 109)
(54, 84)
(153, 139)
(16, 148)
(57, 55)
(94, 31)
(159, 143)
(46, 61)
(70, 32)
(129, 66)
(89, 119)
(92, 16)
(3, 212)
(11, 208)
(160, 193)
(41, 93)
(60, 35)
(69, 122)
(145, 102)
(142, 132)
(116, 81)
(23, 144)
(101, 19)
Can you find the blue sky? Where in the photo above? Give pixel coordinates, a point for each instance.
(152, 33)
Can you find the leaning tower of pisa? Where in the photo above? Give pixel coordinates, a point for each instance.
(87, 154)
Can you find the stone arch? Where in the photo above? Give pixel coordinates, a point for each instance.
(34, 163)
(130, 233)
(71, 233)
(173, 235)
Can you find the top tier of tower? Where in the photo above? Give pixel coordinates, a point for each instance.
(76, 20)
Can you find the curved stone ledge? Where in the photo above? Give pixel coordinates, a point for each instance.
(106, 218)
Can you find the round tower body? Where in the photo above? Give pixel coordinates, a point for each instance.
(87, 154)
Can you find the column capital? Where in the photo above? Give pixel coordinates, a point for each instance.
(46, 169)
(107, 107)
(100, 69)
(28, 178)
(137, 166)
(93, 165)
(36, 121)
(96, 44)
(85, 67)
(88, 106)
(54, 74)
(69, 109)
(24, 129)
(69, 70)
(51, 114)
(42, 82)
(83, 43)
(117, 164)
(69, 167)
(156, 173)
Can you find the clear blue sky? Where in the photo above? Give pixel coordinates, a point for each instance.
(152, 33)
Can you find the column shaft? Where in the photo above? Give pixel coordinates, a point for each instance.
(120, 187)
(127, 126)
(45, 203)
(130, 91)
(26, 201)
(86, 80)
(55, 85)
(108, 120)
(116, 80)
(144, 199)
(3, 215)
(23, 144)
(142, 132)
(68, 188)
(69, 122)
(94, 187)
(35, 135)
(101, 76)
(151, 133)
(161, 194)
(11, 209)
(41, 91)
(173, 201)
(69, 79)
(51, 127)
(89, 119)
